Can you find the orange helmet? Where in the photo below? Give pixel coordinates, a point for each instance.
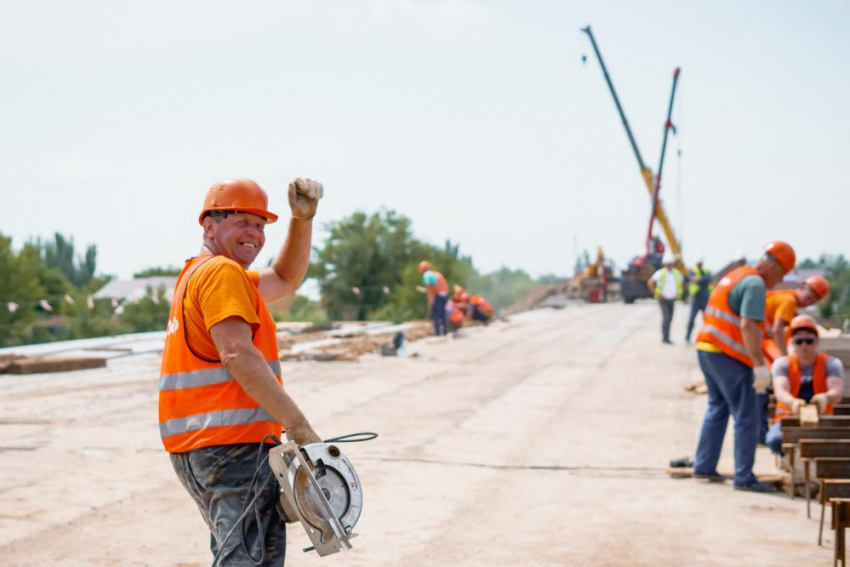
(424, 266)
(782, 253)
(804, 322)
(241, 195)
(819, 285)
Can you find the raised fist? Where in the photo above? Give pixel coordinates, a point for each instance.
(304, 195)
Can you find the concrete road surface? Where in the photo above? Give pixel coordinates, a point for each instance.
(539, 441)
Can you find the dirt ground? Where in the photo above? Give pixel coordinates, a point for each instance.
(539, 441)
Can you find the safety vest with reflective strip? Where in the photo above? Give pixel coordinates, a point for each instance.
(677, 275)
(693, 289)
(200, 403)
(795, 378)
(722, 326)
(441, 287)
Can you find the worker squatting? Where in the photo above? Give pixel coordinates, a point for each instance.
(752, 339)
(451, 312)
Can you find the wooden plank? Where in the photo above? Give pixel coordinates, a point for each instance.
(817, 448)
(842, 409)
(836, 488)
(832, 467)
(809, 416)
(825, 421)
(795, 434)
(54, 364)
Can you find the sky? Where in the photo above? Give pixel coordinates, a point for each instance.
(478, 120)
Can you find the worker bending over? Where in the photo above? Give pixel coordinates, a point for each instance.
(779, 309)
(480, 309)
(803, 377)
(667, 286)
(699, 290)
(730, 357)
(220, 390)
(437, 290)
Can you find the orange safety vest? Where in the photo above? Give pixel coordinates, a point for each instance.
(795, 377)
(768, 346)
(442, 286)
(482, 304)
(200, 403)
(722, 326)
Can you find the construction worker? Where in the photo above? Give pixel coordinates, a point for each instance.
(457, 294)
(221, 397)
(698, 290)
(730, 357)
(667, 286)
(805, 376)
(480, 309)
(437, 290)
(779, 309)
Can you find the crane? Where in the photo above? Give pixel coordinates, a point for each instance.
(634, 279)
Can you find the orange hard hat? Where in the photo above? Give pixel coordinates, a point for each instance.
(819, 285)
(424, 266)
(782, 253)
(804, 322)
(241, 195)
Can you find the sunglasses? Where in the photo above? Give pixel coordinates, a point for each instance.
(807, 341)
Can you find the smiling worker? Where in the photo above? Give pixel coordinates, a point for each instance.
(220, 390)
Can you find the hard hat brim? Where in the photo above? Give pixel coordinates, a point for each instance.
(269, 216)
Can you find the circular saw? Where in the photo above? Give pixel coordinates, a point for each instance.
(320, 489)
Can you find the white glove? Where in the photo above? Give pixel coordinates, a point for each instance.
(796, 405)
(762, 378)
(820, 400)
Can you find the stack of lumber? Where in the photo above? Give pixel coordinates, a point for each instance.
(39, 364)
(347, 348)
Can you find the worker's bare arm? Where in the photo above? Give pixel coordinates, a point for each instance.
(752, 340)
(782, 390)
(290, 266)
(233, 339)
(835, 389)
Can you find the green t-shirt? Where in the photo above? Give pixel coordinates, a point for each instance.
(747, 298)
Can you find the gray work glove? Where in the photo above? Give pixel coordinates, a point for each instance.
(762, 378)
(304, 195)
(302, 434)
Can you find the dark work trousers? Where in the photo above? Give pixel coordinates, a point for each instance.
(438, 314)
(218, 479)
(666, 317)
(698, 303)
(763, 401)
(730, 392)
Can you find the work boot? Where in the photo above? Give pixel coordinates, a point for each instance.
(756, 486)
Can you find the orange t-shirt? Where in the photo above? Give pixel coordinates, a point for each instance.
(781, 305)
(219, 288)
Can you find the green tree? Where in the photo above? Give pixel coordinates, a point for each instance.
(59, 254)
(158, 271)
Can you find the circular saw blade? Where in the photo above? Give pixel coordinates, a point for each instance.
(334, 488)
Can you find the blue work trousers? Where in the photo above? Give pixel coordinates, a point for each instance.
(438, 314)
(773, 439)
(730, 391)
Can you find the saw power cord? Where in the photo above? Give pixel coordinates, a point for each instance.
(249, 506)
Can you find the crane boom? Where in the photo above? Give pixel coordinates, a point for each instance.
(645, 172)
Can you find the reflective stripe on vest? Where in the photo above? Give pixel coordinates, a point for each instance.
(795, 379)
(677, 275)
(198, 378)
(200, 403)
(722, 326)
(213, 419)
